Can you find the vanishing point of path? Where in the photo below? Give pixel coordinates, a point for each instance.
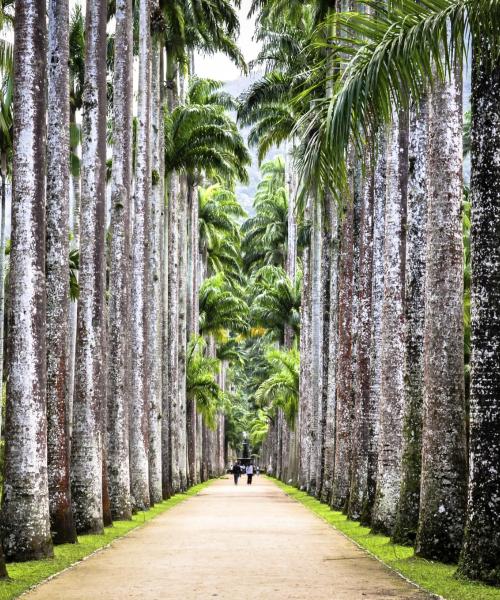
(231, 542)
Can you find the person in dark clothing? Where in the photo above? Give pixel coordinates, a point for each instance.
(236, 472)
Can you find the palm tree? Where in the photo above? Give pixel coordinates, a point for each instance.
(281, 388)
(344, 379)
(276, 302)
(154, 316)
(221, 309)
(57, 266)
(119, 281)
(443, 489)
(360, 435)
(480, 550)
(89, 401)
(25, 502)
(392, 333)
(6, 118)
(265, 235)
(409, 501)
(76, 67)
(139, 415)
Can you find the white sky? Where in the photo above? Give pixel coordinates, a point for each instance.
(219, 66)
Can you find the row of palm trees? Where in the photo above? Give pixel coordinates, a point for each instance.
(369, 103)
(101, 411)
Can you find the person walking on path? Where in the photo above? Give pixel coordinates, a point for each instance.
(236, 472)
(249, 474)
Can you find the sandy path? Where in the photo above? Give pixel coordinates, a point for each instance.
(235, 542)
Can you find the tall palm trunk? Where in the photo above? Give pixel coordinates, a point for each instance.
(330, 345)
(444, 462)
(86, 447)
(379, 193)
(57, 240)
(153, 350)
(479, 559)
(344, 379)
(392, 331)
(25, 502)
(3, 169)
(316, 343)
(192, 318)
(305, 399)
(181, 362)
(361, 433)
(75, 245)
(409, 501)
(171, 397)
(139, 414)
(119, 277)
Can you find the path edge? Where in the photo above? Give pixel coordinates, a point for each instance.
(187, 496)
(282, 486)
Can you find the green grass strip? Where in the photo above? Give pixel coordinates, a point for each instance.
(435, 577)
(25, 575)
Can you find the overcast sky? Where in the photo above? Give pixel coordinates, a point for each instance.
(219, 66)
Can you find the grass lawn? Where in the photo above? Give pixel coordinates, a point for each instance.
(24, 575)
(432, 576)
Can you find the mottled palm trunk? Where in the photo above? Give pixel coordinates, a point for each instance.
(25, 502)
(344, 379)
(181, 362)
(360, 432)
(3, 175)
(139, 403)
(86, 447)
(119, 276)
(316, 344)
(330, 345)
(154, 321)
(305, 399)
(479, 559)
(409, 500)
(379, 193)
(57, 274)
(392, 330)
(444, 463)
(192, 319)
(73, 309)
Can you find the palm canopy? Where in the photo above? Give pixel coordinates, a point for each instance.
(206, 25)
(276, 302)
(386, 56)
(201, 384)
(221, 310)
(281, 389)
(266, 234)
(202, 137)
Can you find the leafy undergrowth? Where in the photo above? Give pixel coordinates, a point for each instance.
(23, 576)
(435, 577)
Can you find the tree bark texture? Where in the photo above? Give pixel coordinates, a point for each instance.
(344, 379)
(444, 461)
(409, 500)
(481, 550)
(25, 503)
(360, 432)
(120, 265)
(86, 447)
(392, 330)
(139, 407)
(57, 275)
(153, 301)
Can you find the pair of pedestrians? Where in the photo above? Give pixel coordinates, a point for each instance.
(240, 470)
